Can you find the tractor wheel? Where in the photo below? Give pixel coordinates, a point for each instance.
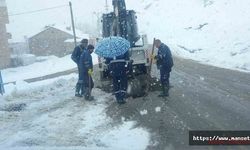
(138, 86)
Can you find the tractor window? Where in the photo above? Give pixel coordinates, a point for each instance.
(139, 43)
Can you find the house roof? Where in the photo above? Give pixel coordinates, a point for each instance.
(66, 29)
(22, 36)
(72, 40)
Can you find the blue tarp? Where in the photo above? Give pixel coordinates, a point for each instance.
(1, 84)
(112, 46)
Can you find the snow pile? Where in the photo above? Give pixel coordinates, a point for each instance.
(52, 65)
(46, 115)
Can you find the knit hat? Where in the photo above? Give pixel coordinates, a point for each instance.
(84, 41)
(90, 47)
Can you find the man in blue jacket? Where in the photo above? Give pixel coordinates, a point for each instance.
(76, 58)
(164, 62)
(86, 67)
(119, 67)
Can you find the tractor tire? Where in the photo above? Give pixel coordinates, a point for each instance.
(138, 86)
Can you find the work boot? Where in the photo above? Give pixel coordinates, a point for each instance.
(164, 92)
(87, 95)
(89, 98)
(121, 101)
(82, 91)
(77, 91)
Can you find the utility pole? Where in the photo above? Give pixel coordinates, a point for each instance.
(106, 6)
(72, 21)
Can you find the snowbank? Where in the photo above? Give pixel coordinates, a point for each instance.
(51, 65)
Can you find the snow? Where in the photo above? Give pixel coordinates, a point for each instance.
(202, 78)
(47, 115)
(50, 118)
(24, 59)
(222, 41)
(72, 40)
(50, 66)
(144, 112)
(135, 139)
(79, 33)
(157, 109)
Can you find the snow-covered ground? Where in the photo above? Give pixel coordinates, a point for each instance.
(46, 115)
(52, 65)
(209, 31)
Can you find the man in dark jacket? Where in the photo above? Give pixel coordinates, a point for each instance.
(76, 58)
(119, 67)
(164, 62)
(86, 67)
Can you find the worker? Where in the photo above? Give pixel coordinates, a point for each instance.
(76, 58)
(119, 68)
(164, 62)
(86, 66)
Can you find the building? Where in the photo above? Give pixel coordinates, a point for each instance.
(53, 40)
(19, 48)
(4, 36)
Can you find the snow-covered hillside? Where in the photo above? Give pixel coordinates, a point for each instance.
(213, 32)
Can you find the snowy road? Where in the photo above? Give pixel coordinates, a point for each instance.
(203, 98)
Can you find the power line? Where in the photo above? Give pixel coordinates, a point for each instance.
(39, 10)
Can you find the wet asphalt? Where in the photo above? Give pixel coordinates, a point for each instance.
(202, 98)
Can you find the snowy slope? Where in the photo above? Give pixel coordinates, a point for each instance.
(213, 32)
(222, 41)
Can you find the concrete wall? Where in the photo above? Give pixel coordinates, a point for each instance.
(49, 42)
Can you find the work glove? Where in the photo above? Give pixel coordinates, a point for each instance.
(90, 72)
(152, 57)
